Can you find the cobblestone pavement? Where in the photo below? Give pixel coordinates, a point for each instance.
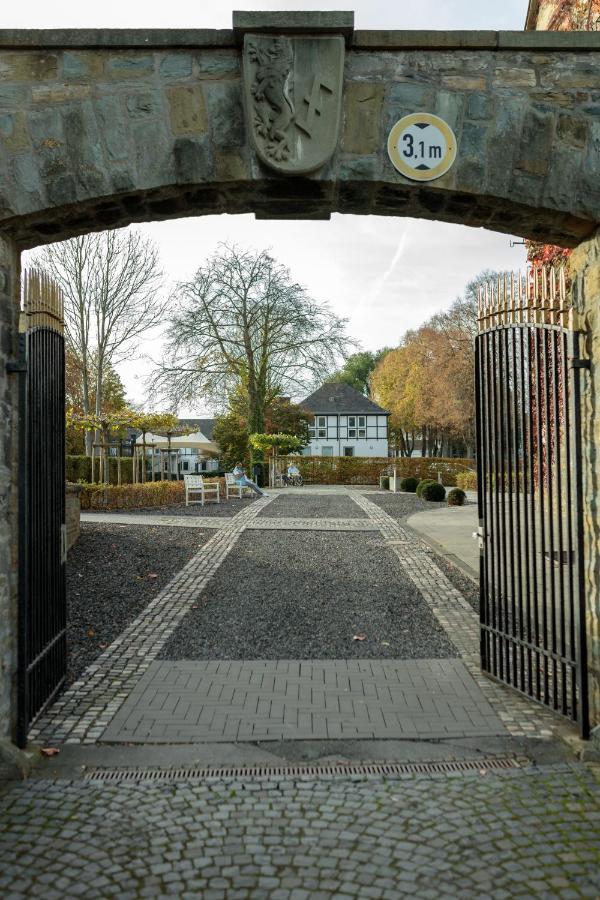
(521, 833)
(280, 523)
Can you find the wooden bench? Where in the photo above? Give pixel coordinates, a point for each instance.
(195, 484)
(231, 487)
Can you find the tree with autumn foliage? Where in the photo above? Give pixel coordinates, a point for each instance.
(427, 382)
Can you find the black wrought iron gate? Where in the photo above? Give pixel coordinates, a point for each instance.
(528, 371)
(42, 545)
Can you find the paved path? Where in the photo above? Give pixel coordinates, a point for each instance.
(526, 832)
(450, 531)
(260, 700)
(84, 712)
(523, 833)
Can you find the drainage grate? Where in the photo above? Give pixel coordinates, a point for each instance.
(305, 771)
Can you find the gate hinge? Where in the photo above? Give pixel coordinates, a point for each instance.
(16, 366)
(579, 363)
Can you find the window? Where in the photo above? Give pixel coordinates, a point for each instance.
(321, 426)
(352, 421)
(348, 451)
(185, 465)
(327, 451)
(362, 430)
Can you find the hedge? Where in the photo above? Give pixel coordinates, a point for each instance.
(366, 470)
(132, 496)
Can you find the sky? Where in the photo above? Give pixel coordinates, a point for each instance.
(385, 275)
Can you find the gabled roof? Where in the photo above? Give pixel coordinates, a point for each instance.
(337, 397)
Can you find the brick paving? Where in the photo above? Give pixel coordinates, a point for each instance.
(212, 701)
(500, 835)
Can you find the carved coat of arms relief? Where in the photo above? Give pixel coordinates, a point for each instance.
(293, 95)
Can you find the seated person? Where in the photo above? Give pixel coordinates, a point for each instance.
(292, 476)
(241, 479)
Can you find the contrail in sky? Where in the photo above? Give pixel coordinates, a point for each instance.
(379, 283)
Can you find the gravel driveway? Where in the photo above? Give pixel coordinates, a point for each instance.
(111, 578)
(304, 596)
(312, 506)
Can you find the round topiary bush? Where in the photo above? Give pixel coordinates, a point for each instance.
(433, 491)
(409, 484)
(456, 497)
(422, 484)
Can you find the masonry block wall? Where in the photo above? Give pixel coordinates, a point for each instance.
(95, 137)
(585, 263)
(9, 281)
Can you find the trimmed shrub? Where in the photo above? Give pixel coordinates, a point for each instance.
(132, 496)
(467, 481)
(456, 497)
(409, 484)
(422, 484)
(384, 482)
(433, 491)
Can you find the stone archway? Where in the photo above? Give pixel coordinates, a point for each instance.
(101, 129)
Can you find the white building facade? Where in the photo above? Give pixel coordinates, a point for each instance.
(345, 423)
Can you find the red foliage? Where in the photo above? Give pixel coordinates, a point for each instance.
(547, 254)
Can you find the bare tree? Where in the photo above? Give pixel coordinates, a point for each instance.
(243, 321)
(112, 288)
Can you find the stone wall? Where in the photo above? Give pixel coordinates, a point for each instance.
(92, 137)
(585, 263)
(72, 513)
(8, 484)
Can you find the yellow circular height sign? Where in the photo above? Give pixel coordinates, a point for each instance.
(422, 146)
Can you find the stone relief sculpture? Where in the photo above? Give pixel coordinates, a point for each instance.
(271, 89)
(293, 93)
